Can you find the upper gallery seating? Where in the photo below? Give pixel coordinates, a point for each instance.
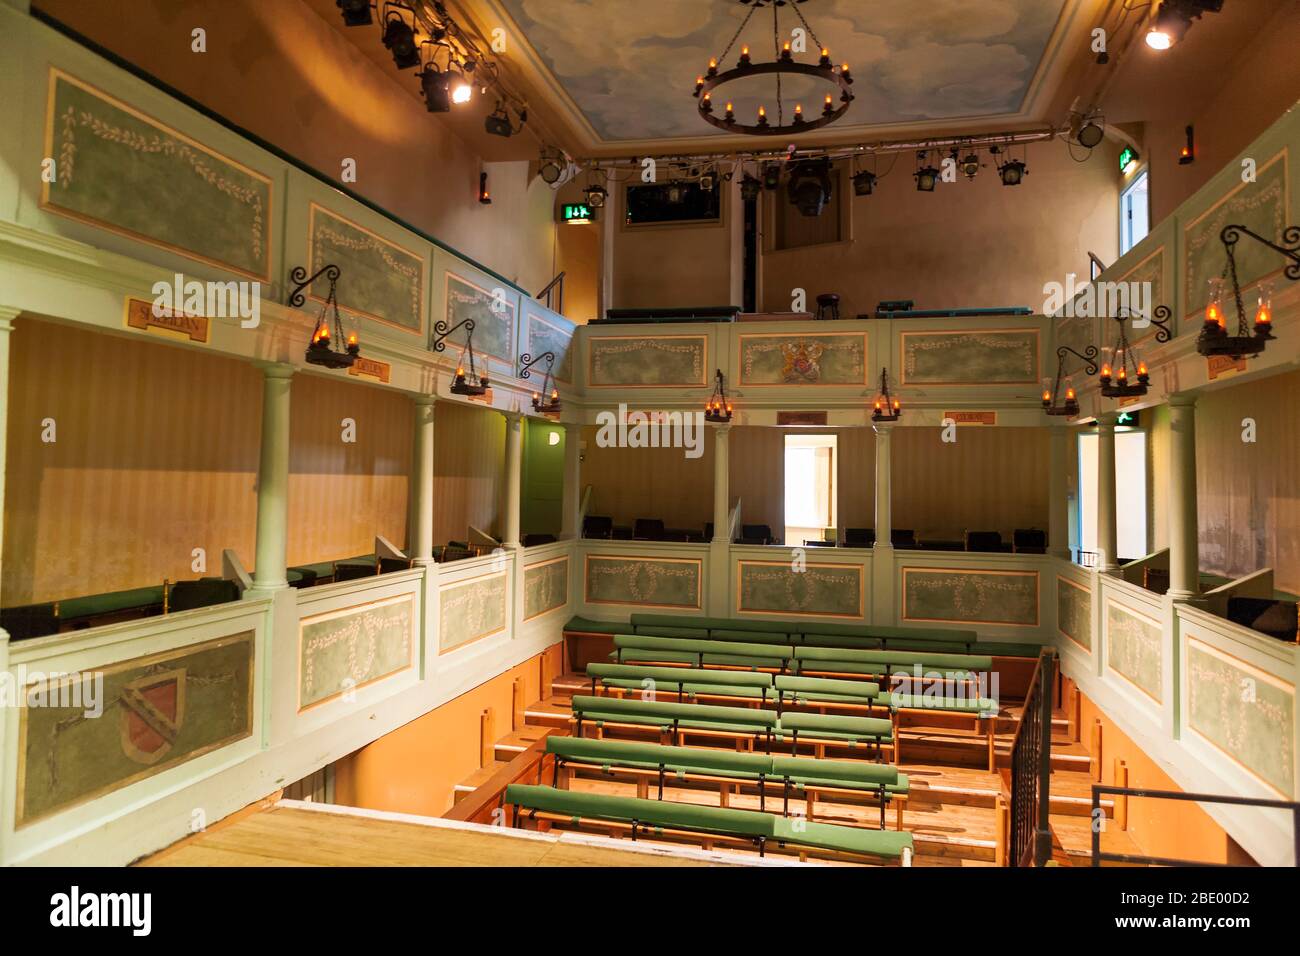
(1029, 541)
(755, 534)
(1274, 618)
(704, 313)
(50, 617)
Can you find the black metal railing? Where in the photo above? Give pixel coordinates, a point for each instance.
(554, 290)
(1031, 769)
(1098, 857)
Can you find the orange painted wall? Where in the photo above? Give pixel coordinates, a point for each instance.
(1165, 828)
(413, 769)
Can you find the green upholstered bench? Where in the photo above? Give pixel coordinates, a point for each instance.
(831, 659)
(708, 623)
(640, 648)
(674, 718)
(734, 636)
(684, 680)
(586, 625)
(981, 706)
(655, 816)
(115, 602)
(692, 633)
(825, 690)
(830, 728)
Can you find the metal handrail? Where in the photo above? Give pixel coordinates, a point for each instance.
(556, 285)
(1099, 789)
(1031, 769)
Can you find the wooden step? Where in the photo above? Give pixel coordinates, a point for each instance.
(551, 712)
(517, 741)
(1075, 836)
(475, 780)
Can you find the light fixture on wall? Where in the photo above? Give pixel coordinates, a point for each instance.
(1123, 372)
(497, 123)
(750, 188)
(718, 408)
(809, 186)
(356, 13)
(484, 196)
(547, 401)
(1187, 155)
(1086, 130)
(885, 407)
(551, 166)
(596, 195)
(1013, 171)
(399, 36)
(772, 176)
(969, 165)
(1059, 397)
(783, 67)
(1173, 19)
(1249, 341)
(927, 176)
(329, 326)
(864, 183)
(473, 384)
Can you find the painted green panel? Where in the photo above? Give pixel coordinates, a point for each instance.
(977, 597)
(119, 169)
(1247, 716)
(157, 712)
(827, 590)
(379, 279)
(546, 587)
(970, 358)
(1261, 206)
(1074, 612)
(492, 311)
(544, 337)
(647, 361)
(1134, 649)
(471, 610)
(647, 582)
(803, 360)
(343, 650)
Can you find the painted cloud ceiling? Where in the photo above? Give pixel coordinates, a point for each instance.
(629, 65)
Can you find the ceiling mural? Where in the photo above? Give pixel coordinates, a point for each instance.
(629, 65)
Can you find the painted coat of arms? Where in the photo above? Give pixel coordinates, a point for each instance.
(801, 361)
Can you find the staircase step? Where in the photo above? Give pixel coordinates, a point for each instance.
(517, 741)
(475, 780)
(551, 712)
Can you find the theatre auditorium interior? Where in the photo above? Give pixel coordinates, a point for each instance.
(812, 434)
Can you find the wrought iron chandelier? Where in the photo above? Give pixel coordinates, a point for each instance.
(718, 408)
(321, 350)
(547, 401)
(1248, 342)
(782, 65)
(1067, 404)
(474, 384)
(1123, 373)
(886, 407)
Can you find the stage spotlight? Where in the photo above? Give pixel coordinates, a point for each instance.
(772, 176)
(863, 183)
(433, 83)
(460, 88)
(1090, 134)
(399, 38)
(356, 13)
(970, 166)
(1174, 17)
(750, 188)
(1012, 172)
(810, 186)
(498, 123)
(926, 179)
(551, 169)
(596, 196)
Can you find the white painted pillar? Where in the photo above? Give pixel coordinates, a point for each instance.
(269, 572)
(1107, 533)
(514, 476)
(7, 316)
(422, 481)
(884, 494)
(572, 502)
(1184, 547)
(1058, 495)
(721, 480)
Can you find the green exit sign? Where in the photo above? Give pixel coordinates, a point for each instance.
(576, 213)
(1127, 157)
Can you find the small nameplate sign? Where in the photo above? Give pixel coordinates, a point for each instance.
(371, 368)
(1219, 365)
(140, 315)
(814, 419)
(972, 418)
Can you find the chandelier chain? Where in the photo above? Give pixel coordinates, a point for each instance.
(740, 29)
(808, 27)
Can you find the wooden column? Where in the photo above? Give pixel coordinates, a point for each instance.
(1107, 534)
(270, 573)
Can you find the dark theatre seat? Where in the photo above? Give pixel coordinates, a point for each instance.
(533, 540)
(597, 526)
(903, 538)
(983, 541)
(859, 537)
(648, 529)
(1029, 541)
(755, 534)
(205, 592)
(702, 313)
(1275, 618)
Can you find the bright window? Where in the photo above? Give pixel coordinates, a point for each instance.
(809, 488)
(1134, 212)
(1130, 493)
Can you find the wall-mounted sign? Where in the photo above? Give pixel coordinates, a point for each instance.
(371, 368)
(141, 315)
(805, 419)
(1219, 365)
(1127, 157)
(576, 213)
(972, 418)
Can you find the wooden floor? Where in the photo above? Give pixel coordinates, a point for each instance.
(290, 834)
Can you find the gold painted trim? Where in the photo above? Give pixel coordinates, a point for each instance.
(451, 586)
(591, 358)
(541, 564)
(313, 208)
(699, 579)
(1068, 636)
(1252, 670)
(246, 636)
(1032, 380)
(1284, 155)
(740, 359)
(1111, 602)
(408, 597)
(740, 565)
(45, 204)
(513, 308)
(567, 333)
(1038, 597)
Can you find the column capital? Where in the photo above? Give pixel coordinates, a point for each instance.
(1182, 400)
(1107, 420)
(276, 369)
(7, 315)
(570, 427)
(882, 428)
(426, 400)
(721, 428)
(512, 415)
